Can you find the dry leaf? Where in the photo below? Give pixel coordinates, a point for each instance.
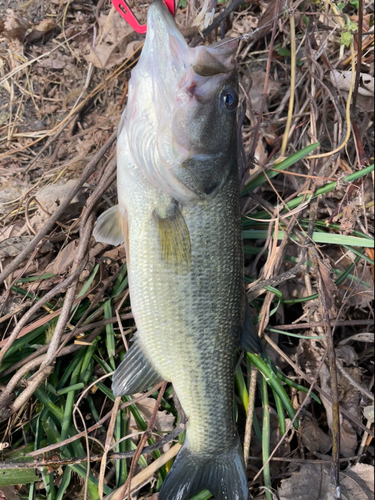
(368, 412)
(342, 81)
(13, 25)
(64, 259)
(164, 421)
(348, 439)
(11, 247)
(314, 438)
(205, 16)
(116, 42)
(257, 89)
(10, 192)
(52, 196)
(266, 21)
(9, 493)
(44, 27)
(312, 483)
(56, 61)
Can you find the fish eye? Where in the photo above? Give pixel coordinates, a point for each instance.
(229, 98)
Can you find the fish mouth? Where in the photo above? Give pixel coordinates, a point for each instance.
(169, 54)
(165, 50)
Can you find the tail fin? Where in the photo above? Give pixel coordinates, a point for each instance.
(223, 475)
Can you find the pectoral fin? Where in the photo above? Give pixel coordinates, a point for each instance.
(135, 373)
(110, 227)
(174, 238)
(249, 341)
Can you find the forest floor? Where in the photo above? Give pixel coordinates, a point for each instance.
(306, 115)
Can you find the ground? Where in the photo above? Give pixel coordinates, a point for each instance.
(308, 224)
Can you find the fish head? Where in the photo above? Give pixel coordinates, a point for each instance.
(180, 122)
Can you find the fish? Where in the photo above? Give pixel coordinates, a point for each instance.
(178, 215)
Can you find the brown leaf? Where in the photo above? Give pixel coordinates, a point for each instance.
(13, 25)
(40, 30)
(164, 421)
(64, 259)
(116, 42)
(266, 21)
(314, 438)
(257, 88)
(9, 493)
(56, 61)
(348, 439)
(313, 480)
(11, 247)
(329, 287)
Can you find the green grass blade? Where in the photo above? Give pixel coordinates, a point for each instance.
(69, 404)
(318, 237)
(275, 384)
(110, 335)
(266, 437)
(241, 387)
(203, 495)
(288, 162)
(17, 476)
(65, 482)
(280, 413)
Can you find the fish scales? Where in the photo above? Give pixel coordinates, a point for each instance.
(179, 217)
(199, 313)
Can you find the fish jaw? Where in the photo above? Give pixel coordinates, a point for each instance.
(175, 114)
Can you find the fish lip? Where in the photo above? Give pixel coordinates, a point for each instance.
(160, 23)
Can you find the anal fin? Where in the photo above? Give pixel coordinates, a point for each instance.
(174, 238)
(135, 373)
(110, 227)
(249, 341)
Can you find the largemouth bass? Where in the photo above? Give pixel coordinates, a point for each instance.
(179, 216)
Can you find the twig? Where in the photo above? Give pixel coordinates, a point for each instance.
(107, 447)
(326, 325)
(293, 63)
(51, 462)
(66, 338)
(146, 435)
(359, 56)
(250, 412)
(265, 95)
(146, 473)
(86, 230)
(348, 119)
(48, 296)
(314, 324)
(96, 426)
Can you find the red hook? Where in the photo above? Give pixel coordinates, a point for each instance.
(125, 11)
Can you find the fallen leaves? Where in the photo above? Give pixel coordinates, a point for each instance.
(13, 25)
(116, 42)
(312, 483)
(314, 438)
